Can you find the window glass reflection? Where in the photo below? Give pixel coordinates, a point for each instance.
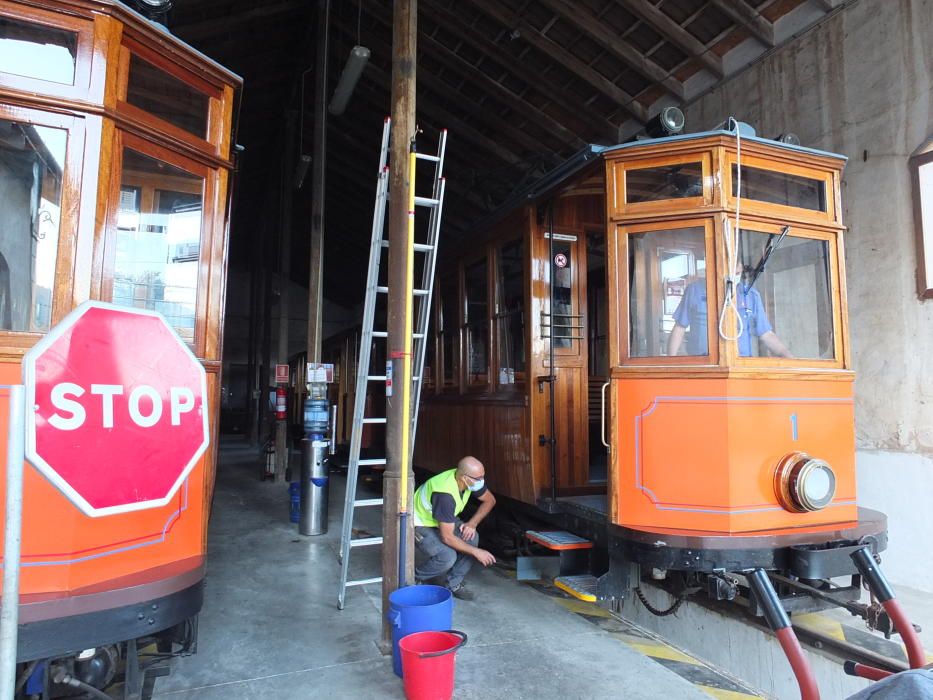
(477, 321)
(664, 182)
(510, 317)
(158, 241)
(668, 305)
(166, 97)
(32, 160)
(36, 51)
(780, 188)
(785, 297)
(449, 329)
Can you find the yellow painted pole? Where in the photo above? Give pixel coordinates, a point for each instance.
(405, 379)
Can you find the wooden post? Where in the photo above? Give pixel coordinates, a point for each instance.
(318, 165)
(284, 270)
(404, 53)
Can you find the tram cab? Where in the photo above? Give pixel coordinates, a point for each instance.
(632, 341)
(731, 393)
(115, 162)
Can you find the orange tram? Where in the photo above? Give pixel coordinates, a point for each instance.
(115, 168)
(649, 348)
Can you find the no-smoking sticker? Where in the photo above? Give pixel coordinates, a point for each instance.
(560, 260)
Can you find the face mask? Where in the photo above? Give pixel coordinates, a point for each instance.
(477, 485)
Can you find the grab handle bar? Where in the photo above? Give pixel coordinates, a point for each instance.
(602, 417)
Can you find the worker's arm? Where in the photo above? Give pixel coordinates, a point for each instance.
(486, 503)
(449, 537)
(675, 340)
(774, 344)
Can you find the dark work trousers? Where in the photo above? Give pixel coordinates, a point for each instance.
(433, 558)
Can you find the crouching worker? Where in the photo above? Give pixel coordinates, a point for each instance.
(445, 545)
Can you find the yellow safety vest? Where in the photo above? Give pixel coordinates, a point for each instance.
(445, 482)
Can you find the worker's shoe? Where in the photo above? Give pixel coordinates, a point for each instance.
(462, 592)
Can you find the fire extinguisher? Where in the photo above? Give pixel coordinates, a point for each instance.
(280, 398)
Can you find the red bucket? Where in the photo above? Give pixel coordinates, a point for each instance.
(428, 663)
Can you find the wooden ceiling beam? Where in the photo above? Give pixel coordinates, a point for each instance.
(469, 133)
(510, 63)
(498, 92)
(192, 31)
(531, 36)
(742, 14)
(649, 13)
(599, 32)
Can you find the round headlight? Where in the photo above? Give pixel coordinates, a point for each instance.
(804, 484)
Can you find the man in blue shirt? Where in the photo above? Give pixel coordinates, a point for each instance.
(693, 313)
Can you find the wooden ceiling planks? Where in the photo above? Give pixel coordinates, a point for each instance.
(521, 84)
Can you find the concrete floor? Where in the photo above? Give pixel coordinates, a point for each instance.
(270, 627)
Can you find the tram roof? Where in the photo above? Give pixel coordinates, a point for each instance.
(590, 152)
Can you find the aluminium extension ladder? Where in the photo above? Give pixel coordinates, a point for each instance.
(419, 337)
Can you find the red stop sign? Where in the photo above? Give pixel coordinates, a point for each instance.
(116, 408)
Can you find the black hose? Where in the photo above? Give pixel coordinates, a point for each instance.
(657, 611)
(70, 680)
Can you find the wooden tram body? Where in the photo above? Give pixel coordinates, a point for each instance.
(551, 359)
(117, 154)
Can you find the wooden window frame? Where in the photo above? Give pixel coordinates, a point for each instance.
(486, 384)
(832, 240)
(70, 225)
(782, 211)
(123, 140)
(623, 282)
(520, 377)
(621, 207)
(924, 238)
(84, 52)
(211, 143)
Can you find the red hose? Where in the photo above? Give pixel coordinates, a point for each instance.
(798, 662)
(863, 671)
(915, 653)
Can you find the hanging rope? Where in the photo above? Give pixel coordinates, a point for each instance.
(731, 240)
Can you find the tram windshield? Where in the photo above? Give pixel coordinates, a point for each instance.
(791, 298)
(32, 159)
(668, 305)
(786, 308)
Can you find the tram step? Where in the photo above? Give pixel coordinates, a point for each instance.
(582, 587)
(558, 540)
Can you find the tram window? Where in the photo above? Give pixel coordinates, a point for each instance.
(663, 182)
(37, 51)
(31, 167)
(565, 324)
(780, 188)
(477, 321)
(158, 240)
(166, 97)
(449, 329)
(792, 294)
(597, 305)
(510, 312)
(668, 305)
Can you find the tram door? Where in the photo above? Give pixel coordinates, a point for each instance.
(563, 340)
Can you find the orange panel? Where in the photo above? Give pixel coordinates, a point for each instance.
(65, 551)
(700, 454)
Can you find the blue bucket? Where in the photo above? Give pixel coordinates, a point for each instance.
(418, 609)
